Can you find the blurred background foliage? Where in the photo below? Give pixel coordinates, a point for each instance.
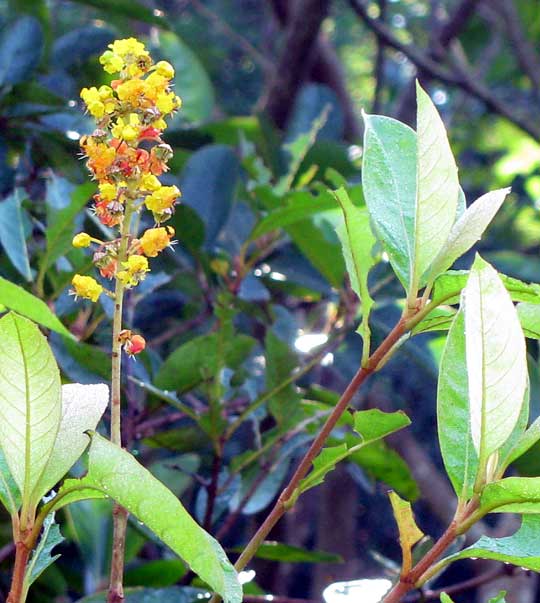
(250, 321)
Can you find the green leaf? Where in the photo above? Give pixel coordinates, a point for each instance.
(449, 285)
(191, 80)
(529, 317)
(285, 553)
(496, 360)
(280, 362)
(31, 409)
(527, 440)
(12, 236)
(439, 319)
(512, 495)
(521, 549)
(446, 599)
(41, 557)
(21, 45)
(374, 424)
(60, 225)
(114, 472)
(299, 206)
(409, 532)
(437, 188)
(82, 408)
(208, 185)
(500, 598)
(325, 462)
(16, 298)
(357, 241)
(467, 231)
(389, 183)
(371, 425)
(10, 496)
(198, 360)
(453, 414)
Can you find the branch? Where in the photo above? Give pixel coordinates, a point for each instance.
(296, 57)
(459, 77)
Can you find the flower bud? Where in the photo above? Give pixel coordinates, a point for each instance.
(81, 240)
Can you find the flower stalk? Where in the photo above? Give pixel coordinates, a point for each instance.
(126, 155)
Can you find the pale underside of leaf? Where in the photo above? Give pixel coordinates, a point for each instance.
(30, 401)
(467, 231)
(82, 408)
(437, 188)
(496, 359)
(389, 184)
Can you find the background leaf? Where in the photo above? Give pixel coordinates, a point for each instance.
(12, 233)
(21, 45)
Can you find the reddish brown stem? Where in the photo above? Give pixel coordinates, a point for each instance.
(303, 468)
(22, 553)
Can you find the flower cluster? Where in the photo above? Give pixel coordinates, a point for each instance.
(126, 155)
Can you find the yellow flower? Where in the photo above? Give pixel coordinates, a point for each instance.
(87, 287)
(150, 183)
(135, 271)
(81, 240)
(155, 240)
(93, 102)
(165, 69)
(107, 191)
(166, 102)
(112, 63)
(127, 131)
(162, 199)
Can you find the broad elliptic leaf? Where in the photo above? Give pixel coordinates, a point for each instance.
(31, 406)
(453, 416)
(521, 549)
(21, 45)
(114, 472)
(529, 317)
(21, 301)
(82, 408)
(389, 184)
(437, 187)
(41, 557)
(496, 359)
(357, 241)
(409, 532)
(467, 231)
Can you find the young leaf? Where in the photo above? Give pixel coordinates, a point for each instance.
(512, 495)
(409, 532)
(374, 424)
(496, 359)
(457, 449)
(438, 187)
(31, 402)
(17, 299)
(527, 440)
(521, 549)
(466, 231)
(371, 425)
(449, 285)
(41, 557)
(114, 472)
(357, 241)
(82, 407)
(389, 184)
(529, 317)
